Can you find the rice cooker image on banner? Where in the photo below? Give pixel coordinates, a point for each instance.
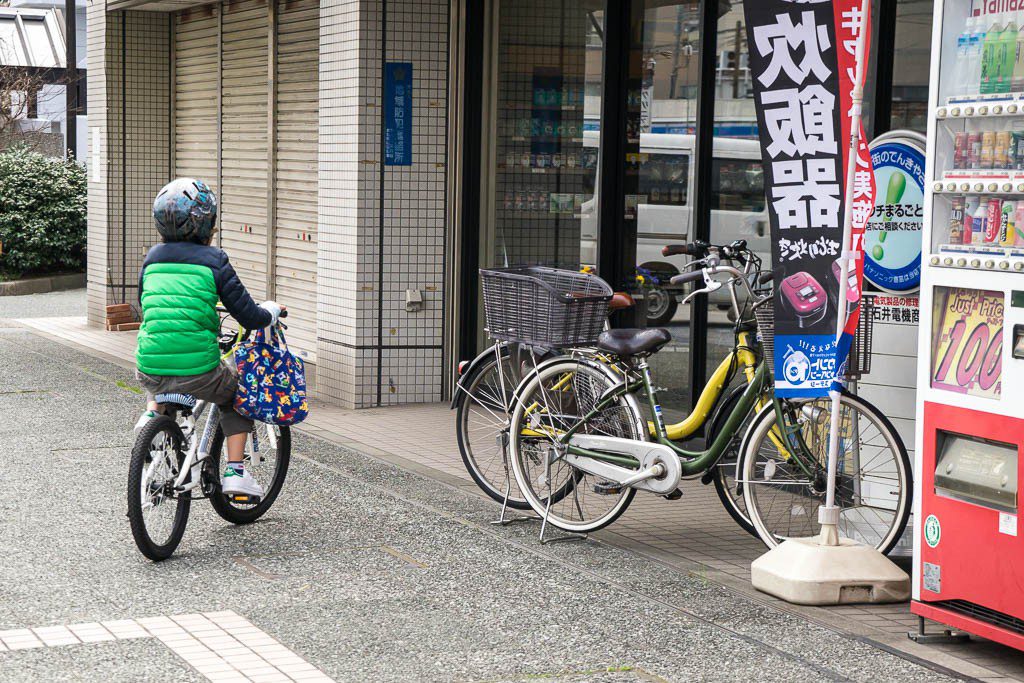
(852, 291)
(805, 298)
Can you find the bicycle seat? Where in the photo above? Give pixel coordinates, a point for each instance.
(184, 400)
(633, 342)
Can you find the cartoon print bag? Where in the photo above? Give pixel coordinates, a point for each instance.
(271, 381)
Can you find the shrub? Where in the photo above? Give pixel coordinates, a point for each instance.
(42, 214)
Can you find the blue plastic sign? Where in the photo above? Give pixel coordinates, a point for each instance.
(892, 241)
(398, 114)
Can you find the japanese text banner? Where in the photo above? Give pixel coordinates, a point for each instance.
(802, 85)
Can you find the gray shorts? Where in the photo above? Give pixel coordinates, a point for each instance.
(216, 386)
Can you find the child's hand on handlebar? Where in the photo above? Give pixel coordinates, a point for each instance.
(275, 309)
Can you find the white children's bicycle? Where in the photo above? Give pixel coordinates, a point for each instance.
(170, 467)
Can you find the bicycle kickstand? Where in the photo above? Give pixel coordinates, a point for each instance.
(502, 440)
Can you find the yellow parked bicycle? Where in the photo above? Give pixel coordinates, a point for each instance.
(484, 394)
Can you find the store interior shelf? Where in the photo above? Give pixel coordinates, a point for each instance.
(564, 170)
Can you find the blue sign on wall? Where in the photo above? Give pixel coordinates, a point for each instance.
(398, 114)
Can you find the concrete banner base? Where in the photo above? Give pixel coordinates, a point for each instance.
(804, 572)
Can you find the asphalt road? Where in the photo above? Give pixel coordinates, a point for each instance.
(365, 571)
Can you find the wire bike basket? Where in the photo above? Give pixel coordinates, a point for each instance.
(859, 363)
(544, 306)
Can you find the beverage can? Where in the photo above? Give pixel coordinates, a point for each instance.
(1007, 221)
(1000, 154)
(960, 152)
(992, 220)
(1018, 224)
(956, 221)
(974, 150)
(988, 143)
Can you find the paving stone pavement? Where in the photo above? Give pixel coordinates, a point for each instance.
(366, 571)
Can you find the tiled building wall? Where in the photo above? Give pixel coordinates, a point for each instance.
(125, 171)
(371, 350)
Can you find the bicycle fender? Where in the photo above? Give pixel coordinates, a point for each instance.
(460, 391)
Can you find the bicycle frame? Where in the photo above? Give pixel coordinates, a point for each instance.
(199, 450)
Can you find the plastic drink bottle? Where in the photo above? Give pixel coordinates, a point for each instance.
(961, 83)
(1007, 225)
(979, 223)
(974, 55)
(1007, 54)
(1018, 224)
(1017, 81)
(988, 57)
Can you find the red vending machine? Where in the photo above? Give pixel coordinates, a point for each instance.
(969, 551)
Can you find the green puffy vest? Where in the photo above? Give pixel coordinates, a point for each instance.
(179, 320)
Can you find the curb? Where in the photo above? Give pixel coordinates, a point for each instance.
(42, 285)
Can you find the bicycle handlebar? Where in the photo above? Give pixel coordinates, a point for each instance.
(697, 248)
(683, 278)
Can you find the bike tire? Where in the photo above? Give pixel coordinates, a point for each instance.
(720, 476)
(763, 422)
(578, 480)
(150, 548)
(218, 458)
(473, 394)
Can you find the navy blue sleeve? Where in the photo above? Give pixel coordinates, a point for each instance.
(236, 299)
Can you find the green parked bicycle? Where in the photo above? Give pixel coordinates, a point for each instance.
(575, 422)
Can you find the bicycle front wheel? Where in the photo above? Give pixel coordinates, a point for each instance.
(555, 400)
(481, 421)
(784, 487)
(157, 513)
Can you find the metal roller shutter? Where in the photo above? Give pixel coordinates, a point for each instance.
(195, 95)
(296, 183)
(244, 143)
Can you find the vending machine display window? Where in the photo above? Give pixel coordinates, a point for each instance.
(967, 341)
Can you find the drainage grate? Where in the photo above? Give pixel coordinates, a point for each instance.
(985, 614)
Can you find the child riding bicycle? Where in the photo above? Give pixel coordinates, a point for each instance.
(181, 281)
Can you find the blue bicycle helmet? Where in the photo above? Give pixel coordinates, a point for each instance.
(185, 210)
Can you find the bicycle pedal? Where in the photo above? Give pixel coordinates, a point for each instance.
(607, 488)
(675, 495)
(243, 498)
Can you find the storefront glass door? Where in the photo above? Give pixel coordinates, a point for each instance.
(539, 205)
(660, 176)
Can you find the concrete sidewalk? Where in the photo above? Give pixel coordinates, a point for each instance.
(362, 571)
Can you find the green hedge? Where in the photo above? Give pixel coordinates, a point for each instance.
(42, 214)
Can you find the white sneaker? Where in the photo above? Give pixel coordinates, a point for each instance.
(235, 484)
(144, 420)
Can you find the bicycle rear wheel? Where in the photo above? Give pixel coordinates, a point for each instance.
(157, 514)
(873, 479)
(554, 400)
(723, 473)
(268, 452)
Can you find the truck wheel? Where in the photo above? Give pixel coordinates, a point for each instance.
(661, 306)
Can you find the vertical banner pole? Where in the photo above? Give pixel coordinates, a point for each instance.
(828, 515)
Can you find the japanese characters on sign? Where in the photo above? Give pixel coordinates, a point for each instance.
(892, 243)
(398, 114)
(802, 81)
